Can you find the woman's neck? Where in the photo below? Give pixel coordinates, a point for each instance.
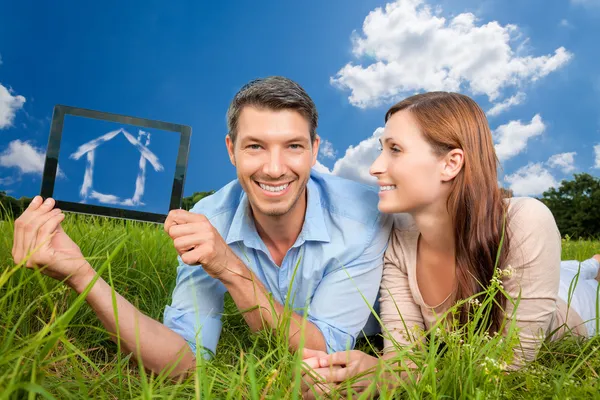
(436, 228)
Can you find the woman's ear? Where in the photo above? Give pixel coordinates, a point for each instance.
(453, 163)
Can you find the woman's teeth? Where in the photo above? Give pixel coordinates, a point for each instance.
(389, 187)
(273, 188)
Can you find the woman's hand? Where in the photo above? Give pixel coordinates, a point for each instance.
(327, 372)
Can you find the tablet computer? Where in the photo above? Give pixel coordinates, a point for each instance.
(114, 165)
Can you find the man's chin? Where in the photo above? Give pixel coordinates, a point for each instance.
(274, 211)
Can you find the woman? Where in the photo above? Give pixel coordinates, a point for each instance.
(439, 167)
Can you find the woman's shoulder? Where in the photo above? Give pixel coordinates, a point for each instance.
(529, 213)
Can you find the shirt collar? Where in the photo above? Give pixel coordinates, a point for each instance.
(242, 226)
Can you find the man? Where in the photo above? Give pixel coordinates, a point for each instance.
(278, 229)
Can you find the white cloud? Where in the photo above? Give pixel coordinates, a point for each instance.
(597, 154)
(321, 168)
(564, 161)
(506, 104)
(105, 198)
(22, 155)
(530, 180)
(27, 158)
(7, 181)
(511, 138)
(411, 48)
(9, 105)
(357, 160)
(326, 149)
(565, 23)
(586, 3)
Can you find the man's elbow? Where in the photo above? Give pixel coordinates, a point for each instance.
(176, 367)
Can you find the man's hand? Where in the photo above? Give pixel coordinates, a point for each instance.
(326, 373)
(38, 230)
(198, 242)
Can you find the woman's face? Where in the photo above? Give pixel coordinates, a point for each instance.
(409, 173)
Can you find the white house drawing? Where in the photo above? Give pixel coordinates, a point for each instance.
(146, 155)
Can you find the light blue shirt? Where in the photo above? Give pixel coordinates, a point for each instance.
(338, 254)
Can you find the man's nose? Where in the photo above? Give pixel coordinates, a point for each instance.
(275, 166)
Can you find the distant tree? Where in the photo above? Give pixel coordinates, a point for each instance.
(576, 206)
(11, 207)
(188, 202)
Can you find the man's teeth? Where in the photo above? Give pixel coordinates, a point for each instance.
(274, 188)
(389, 187)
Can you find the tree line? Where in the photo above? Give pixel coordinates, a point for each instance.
(575, 205)
(9, 206)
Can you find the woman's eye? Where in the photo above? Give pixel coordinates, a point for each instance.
(380, 148)
(395, 149)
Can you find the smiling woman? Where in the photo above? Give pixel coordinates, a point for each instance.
(461, 245)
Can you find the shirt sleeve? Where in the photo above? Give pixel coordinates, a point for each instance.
(534, 258)
(401, 316)
(342, 302)
(196, 309)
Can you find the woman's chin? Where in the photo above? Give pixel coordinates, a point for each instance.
(390, 208)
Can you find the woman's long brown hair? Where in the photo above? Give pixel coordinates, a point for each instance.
(454, 121)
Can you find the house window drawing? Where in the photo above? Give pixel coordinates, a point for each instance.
(146, 156)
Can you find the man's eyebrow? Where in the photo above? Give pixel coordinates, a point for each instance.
(302, 139)
(251, 139)
(299, 139)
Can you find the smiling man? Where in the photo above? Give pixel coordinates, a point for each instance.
(278, 233)
(279, 228)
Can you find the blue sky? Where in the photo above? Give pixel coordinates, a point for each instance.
(532, 66)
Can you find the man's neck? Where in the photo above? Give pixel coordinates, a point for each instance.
(280, 233)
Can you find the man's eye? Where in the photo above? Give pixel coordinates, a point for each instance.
(295, 146)
(253, 146)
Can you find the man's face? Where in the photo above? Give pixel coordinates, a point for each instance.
(273, 156)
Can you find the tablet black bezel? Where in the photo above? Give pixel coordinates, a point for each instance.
(53, 149)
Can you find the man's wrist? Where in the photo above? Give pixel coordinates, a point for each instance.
(82, 278)
(234, 272)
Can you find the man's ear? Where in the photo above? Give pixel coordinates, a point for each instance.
(453, 163)
(315, 149)
(230, 148)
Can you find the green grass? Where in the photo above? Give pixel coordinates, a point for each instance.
(52, 345)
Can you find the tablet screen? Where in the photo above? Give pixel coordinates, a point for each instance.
(114, 165)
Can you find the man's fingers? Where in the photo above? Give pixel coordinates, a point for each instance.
(31, 230)
(312, 362)
(332, 374)
(177, 231)
(20, 223)
(310, 353)
(186, 243)
(193, 257)
(28, 224)
(49, 227)
(180, 217)
(340, 358)
(318, 390)
(45, 232)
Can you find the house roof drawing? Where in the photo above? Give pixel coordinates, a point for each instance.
(146, 156)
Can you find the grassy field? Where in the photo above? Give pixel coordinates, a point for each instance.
(52, 345)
